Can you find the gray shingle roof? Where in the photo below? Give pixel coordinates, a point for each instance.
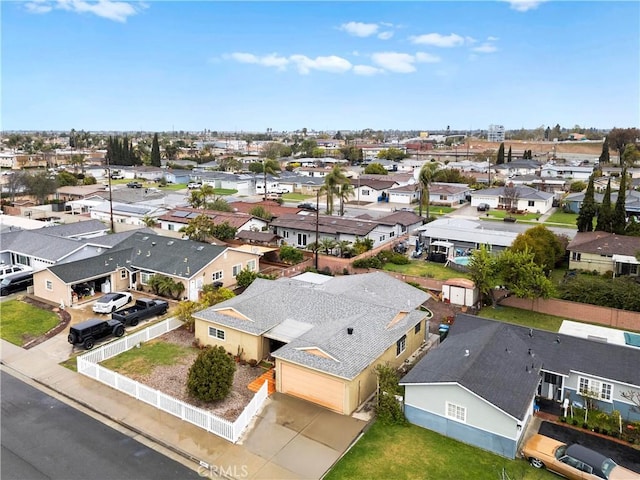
(36, 243)
(367, 303)
(524, 192)
(77, 229)
(499, 354)
(89, 268)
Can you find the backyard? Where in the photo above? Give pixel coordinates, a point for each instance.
(411, 452)
(163, 364)
(421, 268)
(525, 318)
(21, 322)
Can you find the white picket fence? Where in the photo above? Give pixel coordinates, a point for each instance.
(88, 365)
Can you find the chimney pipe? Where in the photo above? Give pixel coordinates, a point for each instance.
(350, 330)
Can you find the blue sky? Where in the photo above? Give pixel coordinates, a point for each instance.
(249, 66)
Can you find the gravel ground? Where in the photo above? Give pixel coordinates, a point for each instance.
(172, 380)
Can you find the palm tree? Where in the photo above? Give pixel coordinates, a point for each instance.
(331, 186)
(149, 221)
(344, 246)
(196, 200)
(345, 191)
(427, 172)
(326, 244)
(272, 167)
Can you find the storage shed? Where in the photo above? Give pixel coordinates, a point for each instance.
(460, 291)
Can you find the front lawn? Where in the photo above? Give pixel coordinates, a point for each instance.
(173, 186)
(420, 268)
(295, 197)
(562, 218)
(224, 191)
(500, 214)
(21, 322)
(411, 452)
(140, 361)
(526, 318)
(436, 210)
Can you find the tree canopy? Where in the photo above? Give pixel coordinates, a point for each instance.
(375, 169)
(547, 249)
(211, 375)
(155, 151)
(587, 209)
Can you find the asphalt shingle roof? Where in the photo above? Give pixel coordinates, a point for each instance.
(367, 303)
(36, 243)
(604, 243)
(496, 368)
(77, 228)
(89, 268)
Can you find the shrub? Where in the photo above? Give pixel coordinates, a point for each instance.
(563, 419)
(388, 409)
(211, 375)
(605, 431)
(371, 262)
(246, 277)
(574, 422)
(596, 429)
(585, 425)
(289, 254)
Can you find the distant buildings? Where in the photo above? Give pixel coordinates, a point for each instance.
(495, 133)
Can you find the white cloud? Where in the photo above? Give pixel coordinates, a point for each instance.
(385, 35)
(359, 29)
(271, 60)
(524, 5)
(427, 58)
(111, 10)
(485, 48)
(492, 39)
(366, 70)
(438, 40)
(331, 63)
(395, 62)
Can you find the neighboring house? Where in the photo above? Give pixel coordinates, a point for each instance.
(79, 230)
(135, 260)
(177, 176)
(126, 213)
(318, 172)
(371, 189)
(525, 198)
(479, 385)
(557, 186)
(274, 208)
(573, 201)
(180, 217)
(605, 252)
(570, 172)
(517, 167)
(402, 222)
(404, 194)
(448, 194)
(243, 183)
(326, 334)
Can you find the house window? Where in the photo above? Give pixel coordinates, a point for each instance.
(403, 228)
(576, 256)
(365, 192)
(216, 333)
(285, 234)
(171, 226)
(382, 237)
(443, 197)
(251, 265)
(48, 284)
(392, 234)
(531, 203)
(456, 412)
(595, 388)
(145, 277)
(401, 345)
(21, 259)
(417, 328)
(217, 275)
(236, 270)
(123, 273)
(302, 239)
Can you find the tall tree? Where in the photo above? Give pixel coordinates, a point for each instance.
(587, 209)
(345, 191)
(509, 155)
(271, 167)
(16, 183)
(40, 185)
(331, 186)
(605, 214)
(545, 245)
(483, 272)
(155, 151)
(630, 156)
(620, 137)
(619, 219)
(500, 158)
(425, 177)
(604, 156)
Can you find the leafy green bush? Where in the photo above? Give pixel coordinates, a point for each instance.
(622, 293)
(371, 262)
(211, 375)
(289, 254)
(246, 277)
(388, 408)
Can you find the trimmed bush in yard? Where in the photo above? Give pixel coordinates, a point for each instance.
(211, 375)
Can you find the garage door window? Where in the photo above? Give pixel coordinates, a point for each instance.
(401, 345)
(216, 333)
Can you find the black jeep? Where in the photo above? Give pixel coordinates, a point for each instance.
(86, 333)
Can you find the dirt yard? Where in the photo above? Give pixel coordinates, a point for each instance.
(172, 380)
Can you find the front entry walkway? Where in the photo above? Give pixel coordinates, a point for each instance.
(268, 376)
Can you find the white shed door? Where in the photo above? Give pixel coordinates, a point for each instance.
(457, 295)
(313, 387)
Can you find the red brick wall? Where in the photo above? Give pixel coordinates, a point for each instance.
(610, 317)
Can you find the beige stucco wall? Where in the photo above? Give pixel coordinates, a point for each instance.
(250, 345)
(60, 292)
(590, 262)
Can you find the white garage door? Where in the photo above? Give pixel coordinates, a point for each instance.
(457, 295)
(313, 387)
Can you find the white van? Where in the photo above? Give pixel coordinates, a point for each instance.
(11, 269)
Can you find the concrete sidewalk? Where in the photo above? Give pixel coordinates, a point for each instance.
(291, 438)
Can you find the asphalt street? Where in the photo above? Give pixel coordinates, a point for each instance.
(43, 438)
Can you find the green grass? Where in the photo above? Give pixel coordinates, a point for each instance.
(562, 218)
(140, 361)
(411, 452)
(295, 197)
(500, 214)
(525, 318)
(435, 210)
(420, 268)
(21, 322)
(173, 186)
(224, 191)
(71, 363)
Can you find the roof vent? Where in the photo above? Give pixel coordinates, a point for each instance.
(153, 244)
(148, 253)
(558, 339)
(186, 259)
(350, 330)
(170, 242)
(200, 248)
(466, 353)
(531, 332)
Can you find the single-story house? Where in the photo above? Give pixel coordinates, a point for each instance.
(468, 234)
(516, 167)
(605, 252)
(523, 198)
(371, 190)
(573, 172)
(129, 214)
(402, 222)
(448, 194)
(557, 186)
(180, 217)
(177, 176)
(274, 208)
(404, 194)
(131, 263)
(326, 334)
(480, 384)
(573, 201)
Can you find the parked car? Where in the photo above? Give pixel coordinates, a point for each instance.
(144, 308)
(575, 462)
(484, 207)
(112, 302)
(86, 333)
(16, 282)
(7, 270)
(308, 206)
(117, 176)
(194, 185)
(134, 185)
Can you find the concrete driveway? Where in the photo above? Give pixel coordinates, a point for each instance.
(299, 437)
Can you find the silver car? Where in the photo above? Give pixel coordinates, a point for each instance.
(111, 302)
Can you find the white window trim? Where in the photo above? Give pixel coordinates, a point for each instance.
(123, 274)
(401, 341)
(238, 267)
(251, 265)
(595, 386)
(146, 275)
(48, 284)
(219, 275)
(217, 333)
(458, 411)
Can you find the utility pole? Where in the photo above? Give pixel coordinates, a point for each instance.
(113, 228)
(317, 225)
